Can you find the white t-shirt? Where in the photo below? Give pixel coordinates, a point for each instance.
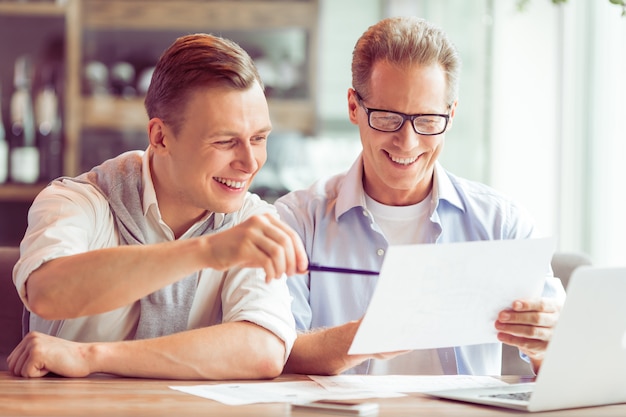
(403, 225)
(71, 218)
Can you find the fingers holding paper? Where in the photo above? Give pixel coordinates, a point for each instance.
(529, 325)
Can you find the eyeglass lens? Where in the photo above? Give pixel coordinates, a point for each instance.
(390, 122)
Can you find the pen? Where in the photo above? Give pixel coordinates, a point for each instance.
(321, 268)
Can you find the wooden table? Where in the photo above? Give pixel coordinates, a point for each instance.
(109, 396)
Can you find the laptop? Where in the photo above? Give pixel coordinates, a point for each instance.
(585, 363)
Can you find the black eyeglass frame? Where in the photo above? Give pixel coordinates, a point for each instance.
(404, 116)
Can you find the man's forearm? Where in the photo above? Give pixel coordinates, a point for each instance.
(103, 280)
(237, 350)
(324, 351)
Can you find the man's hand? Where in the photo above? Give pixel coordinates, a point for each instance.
(260, 242)
(39, 354)
(529, 325)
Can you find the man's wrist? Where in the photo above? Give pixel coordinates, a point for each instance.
(95, 356)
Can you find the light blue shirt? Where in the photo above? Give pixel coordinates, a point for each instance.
(337, 230)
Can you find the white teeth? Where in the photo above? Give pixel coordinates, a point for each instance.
(231, 183)
(403, 161)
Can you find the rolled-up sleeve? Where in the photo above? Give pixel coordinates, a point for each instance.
(64, 219)
(247, 297)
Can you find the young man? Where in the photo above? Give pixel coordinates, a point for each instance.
(160, 263)
(404, 97)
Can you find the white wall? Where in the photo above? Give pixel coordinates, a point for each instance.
(597, 43)
(525, 136)
(341, 24)
(563, 68)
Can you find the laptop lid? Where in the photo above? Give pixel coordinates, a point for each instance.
(585, 363)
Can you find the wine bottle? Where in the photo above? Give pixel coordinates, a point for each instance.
(24, 163)
(4, 148)
(49, 129)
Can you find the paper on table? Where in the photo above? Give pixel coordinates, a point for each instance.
(441, 295)
(404, 383)
(278, 392)
(340, 387)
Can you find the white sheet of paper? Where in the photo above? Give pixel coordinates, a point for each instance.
(340, 387)
(404, 383)
(279, 392)
(441, 295)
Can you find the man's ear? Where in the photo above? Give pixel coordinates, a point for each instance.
(353, 105)
(157, 134)
(453, 108)
(452, 112)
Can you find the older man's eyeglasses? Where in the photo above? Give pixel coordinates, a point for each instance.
(392, 121)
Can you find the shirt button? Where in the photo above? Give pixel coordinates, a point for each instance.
(380, 252)
(365, 213)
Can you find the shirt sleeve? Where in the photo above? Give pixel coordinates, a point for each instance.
(299, 284)
(247, 297)
(64, 219)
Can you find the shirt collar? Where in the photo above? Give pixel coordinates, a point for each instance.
(445, 189)
(150, 203)
(352, 194)
(149, 195)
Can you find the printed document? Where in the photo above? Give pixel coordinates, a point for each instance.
(442, 295)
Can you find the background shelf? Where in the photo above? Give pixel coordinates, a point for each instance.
(108, 31)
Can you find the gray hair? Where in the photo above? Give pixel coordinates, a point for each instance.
(405, 41)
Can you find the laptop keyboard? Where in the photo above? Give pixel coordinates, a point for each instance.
(519, 396)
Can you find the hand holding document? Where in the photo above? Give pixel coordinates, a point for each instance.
(442, 295)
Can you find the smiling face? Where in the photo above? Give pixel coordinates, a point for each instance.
(398, 166)
(210, 163)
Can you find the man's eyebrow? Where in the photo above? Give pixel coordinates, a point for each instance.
(231, 133)
(266, 129)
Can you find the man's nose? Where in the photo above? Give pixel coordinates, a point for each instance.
(407, 137)
(246, 159)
